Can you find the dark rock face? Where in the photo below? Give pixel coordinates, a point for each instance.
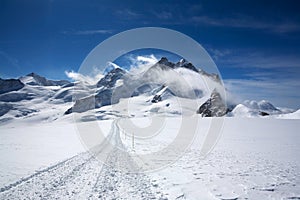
(166, 62)
(8, 85)
(68, 85)
(156, 99)
(213, 107)
(5, 108)
(65, 95)
(69, 111)
(110, 79)
(15, 97)
(102, 98)
(262, 113)
(184, 64)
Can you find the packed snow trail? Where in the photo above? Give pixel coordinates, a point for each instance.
(85, 177)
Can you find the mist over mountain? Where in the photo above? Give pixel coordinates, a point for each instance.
(181, 79)
(163, 88)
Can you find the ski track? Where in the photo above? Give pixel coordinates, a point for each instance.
(224, 174)
(85, 177)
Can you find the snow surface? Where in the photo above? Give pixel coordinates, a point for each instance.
(255, 159)
(293, 115)
(251, 109)
(26, 148)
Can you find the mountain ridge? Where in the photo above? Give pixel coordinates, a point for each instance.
(155, 91)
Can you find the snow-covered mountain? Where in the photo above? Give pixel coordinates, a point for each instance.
(50, 151)
(159, 83)
(35, 79)
(33, 96)
(254, 109)
(164, 88)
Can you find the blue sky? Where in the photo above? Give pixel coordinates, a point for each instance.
(255, 44)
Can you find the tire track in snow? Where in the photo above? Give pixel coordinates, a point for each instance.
(119, 184)
(84, 177)
(24, 179)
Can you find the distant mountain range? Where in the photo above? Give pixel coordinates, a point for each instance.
(153, 90)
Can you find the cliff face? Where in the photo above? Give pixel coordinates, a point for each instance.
(213, 107)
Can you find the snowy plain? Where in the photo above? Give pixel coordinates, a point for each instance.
(255, 158)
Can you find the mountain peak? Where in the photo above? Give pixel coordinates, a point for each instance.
(182, 60)
(35, 79)
(32, 74)
(165, 61)
(214, 106)
(110, 79)
(185, 64)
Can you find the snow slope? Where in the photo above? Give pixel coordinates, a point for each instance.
(293, 115)
(262, 108)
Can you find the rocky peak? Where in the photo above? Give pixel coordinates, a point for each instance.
(185, 64)
(213, 107)
(166, 62)
(36, 79)
(110, 79)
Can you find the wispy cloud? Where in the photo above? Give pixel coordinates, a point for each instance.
(12, 61)
(194, 15)
(164, 15)
(89, 32)
(127, 14)
(219, 54)
(254, 58)
(243, 21)
(258, 60)
(142, 62)
(92, 79)
(280, 92)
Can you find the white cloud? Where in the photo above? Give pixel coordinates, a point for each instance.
(180, 81)
(141, 63)
(89, 32)
(90, 80)
(113, 65)
(151, 59)
(280, 92)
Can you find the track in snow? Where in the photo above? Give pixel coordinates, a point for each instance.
(84, 177)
